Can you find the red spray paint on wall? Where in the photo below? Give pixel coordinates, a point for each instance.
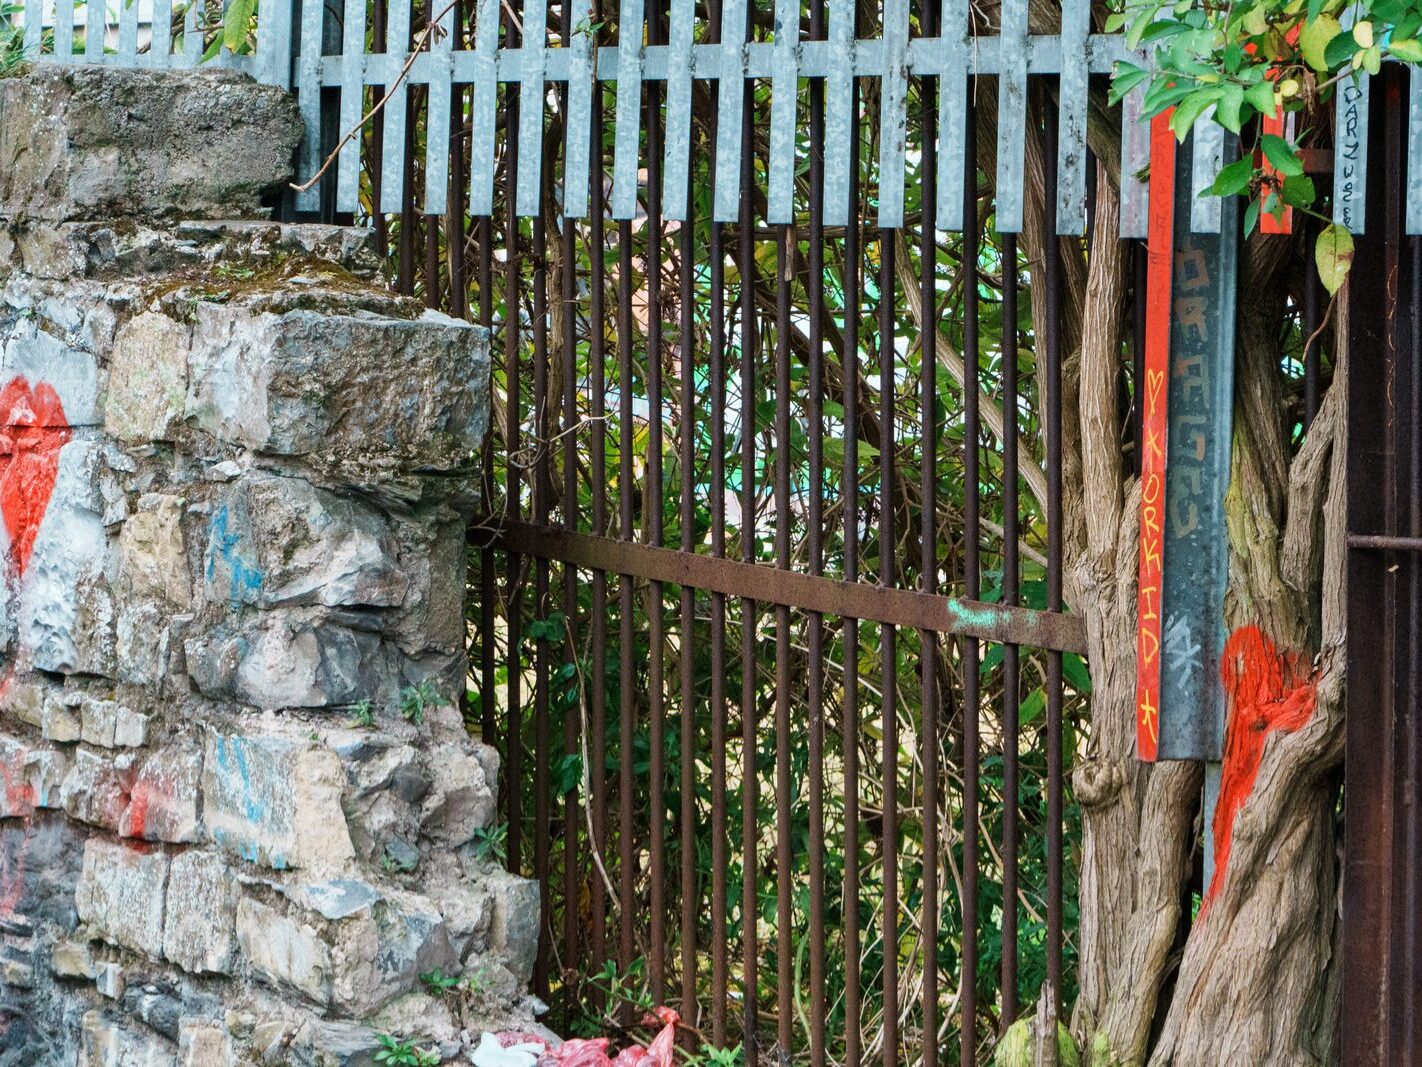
(32, 431)
(1265, 690)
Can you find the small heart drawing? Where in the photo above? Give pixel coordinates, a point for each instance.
(32, 431)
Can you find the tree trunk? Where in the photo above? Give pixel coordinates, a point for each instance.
(1256, 980)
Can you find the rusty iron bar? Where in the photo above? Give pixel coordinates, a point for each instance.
(888, 645)
(928, 536)
(1380, 975)
(750, 610)
(597, 363)
(1384, 543)
(849, 492)
(690, 894)
(656, 637)
(972, 587)
(1011, 592)
(884, 606)
(1052, 284)
(572, 742)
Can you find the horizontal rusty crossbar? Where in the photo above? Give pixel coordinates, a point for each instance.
(1384, 543)
(806, 592)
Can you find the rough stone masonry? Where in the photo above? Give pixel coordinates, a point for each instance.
(240, 817)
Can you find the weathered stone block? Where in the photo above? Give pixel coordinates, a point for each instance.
(104, 1043)
(276, 801)
(514, 932)
(460, 801)
(58, 386)
(203, 1044)
(318, 388)
(72, 959)
(284, 950)
(153, 796)
(30, 776)
(291, 659)
(121, 893)
(148, 379)
(60, 720)
(198, 927)
(275, 541)
(109, 724)
(88, 142)
(152, 561)
(64, 611)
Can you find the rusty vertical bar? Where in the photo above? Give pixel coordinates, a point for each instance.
(849, 369)
(687, 643)
(690, 895)
(409, 216)
(597, 669)
(1312, 345)
(928, 537)
(1410, 519)
(1372, 763)
(656, 635)
(542, 497)
(972, 589)
(1010, 673)
(784, 862)
(513, 443)
(1052, 276)
(814, 414)
(572, 748)
(750, 782)
(888, 641)
(626, 588)
(716, 384)
(487, 578)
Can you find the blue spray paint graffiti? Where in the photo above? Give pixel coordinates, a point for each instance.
(231, 753)
(224, 546)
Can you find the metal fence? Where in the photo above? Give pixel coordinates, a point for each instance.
(769, 622)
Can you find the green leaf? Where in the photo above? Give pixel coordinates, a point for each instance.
(1077, 674)
(1334, 255)
(1032, 706)
(235, 22)
(1409, 50)
(1251, 217)
(1314, 39)
(1190, 109)
(1260, 97)
(1339, 51)
(1142, 22)
(1298, 191)
(1280, 155)
(1228, 109)
(1234, 178)
(1126, 78)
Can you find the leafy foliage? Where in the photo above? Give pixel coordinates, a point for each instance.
(1264, 60)
(397, 1053)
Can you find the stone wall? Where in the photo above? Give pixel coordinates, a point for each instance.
(240, 816)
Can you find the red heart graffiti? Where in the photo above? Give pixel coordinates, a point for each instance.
(33, 429)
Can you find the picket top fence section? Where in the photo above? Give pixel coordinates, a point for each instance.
(289, 52)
